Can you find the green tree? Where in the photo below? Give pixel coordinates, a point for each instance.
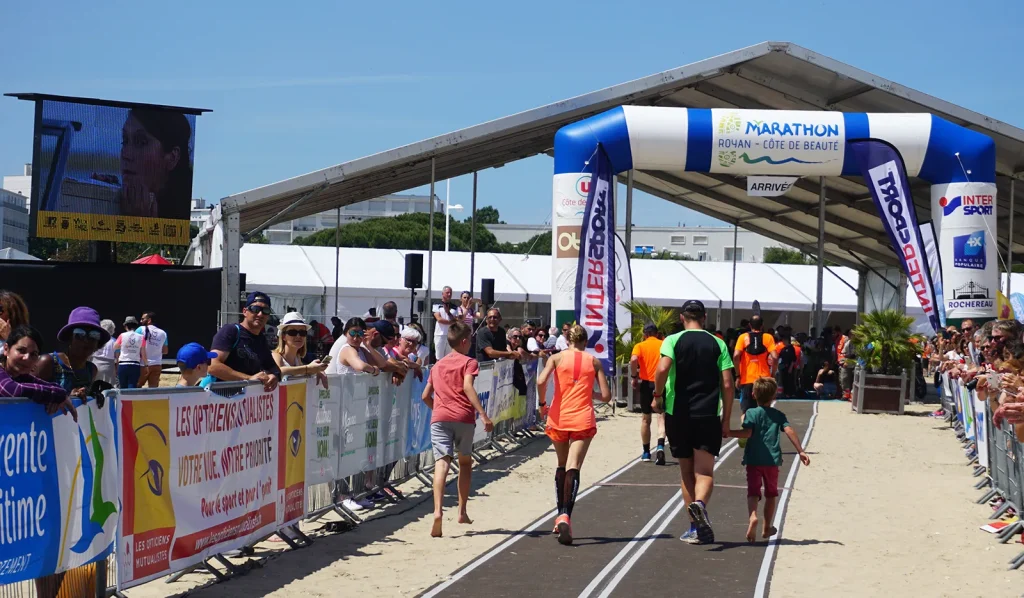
(407, 231)
(486, 215)
(643, 313)
(885, 342)
(782, 255)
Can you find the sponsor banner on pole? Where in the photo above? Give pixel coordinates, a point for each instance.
(291, 450)
(884, 171)
(484, 387)
(623, 288)
(769, 186)
(777, 142)
(966, 225)
(323, 431)
(417, 439)
(931, 250)
(200, 475)
(570, 200)
(60, 489)
(980, 431)
(595, 270)
(502, 402)
(394, 420)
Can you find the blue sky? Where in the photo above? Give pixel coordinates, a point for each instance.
(301, 87)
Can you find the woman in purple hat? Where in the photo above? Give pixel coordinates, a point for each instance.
(82, 336)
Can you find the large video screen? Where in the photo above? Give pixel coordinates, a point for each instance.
(112, 173)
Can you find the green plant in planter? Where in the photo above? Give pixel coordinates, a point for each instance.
(662, 317)
(884, 342)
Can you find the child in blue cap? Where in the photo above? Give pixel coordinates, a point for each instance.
(194, 365)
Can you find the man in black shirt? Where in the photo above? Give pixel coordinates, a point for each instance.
(693, 386)
(242, 349)
(491, 343)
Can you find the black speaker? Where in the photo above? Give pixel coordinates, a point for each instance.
(487, 291)
(413, 270)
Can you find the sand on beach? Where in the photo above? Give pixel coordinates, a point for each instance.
(887, 509)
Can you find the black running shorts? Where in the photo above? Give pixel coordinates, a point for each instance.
(688, 434)
(645, 394)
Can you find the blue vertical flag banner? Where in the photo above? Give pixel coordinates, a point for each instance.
(58, 482)
(595, 273)
(931, 250)
(885, 174)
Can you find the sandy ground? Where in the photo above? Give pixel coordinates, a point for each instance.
(509, 493)
(886, 509)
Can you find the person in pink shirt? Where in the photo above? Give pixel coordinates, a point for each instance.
(455, 404)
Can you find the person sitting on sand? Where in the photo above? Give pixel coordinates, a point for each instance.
(454, 402)
(763, 454)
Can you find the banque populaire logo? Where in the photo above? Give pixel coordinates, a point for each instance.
(969, 251)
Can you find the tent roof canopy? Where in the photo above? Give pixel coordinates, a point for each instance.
(770, 75)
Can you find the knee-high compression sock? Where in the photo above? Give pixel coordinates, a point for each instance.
(560, 489)
(572, 485)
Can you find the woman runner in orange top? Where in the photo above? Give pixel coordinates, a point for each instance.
(571, 423)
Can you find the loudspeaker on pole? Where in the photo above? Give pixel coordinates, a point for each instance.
(487, 291)
(413, 270)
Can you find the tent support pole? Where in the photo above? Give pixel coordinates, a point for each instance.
(1009, 244)
(821, 256)
(629, 224)
(430, 257)
(472, 240)
(337, 260)
(735, 241)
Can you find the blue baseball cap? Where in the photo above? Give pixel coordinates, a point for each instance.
(193, 355)
(255, 296)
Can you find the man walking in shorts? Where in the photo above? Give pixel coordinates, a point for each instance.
(642, 366)
(693, 386)
(454, 403)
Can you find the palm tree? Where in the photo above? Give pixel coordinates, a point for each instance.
(885, 342)
(643, 313)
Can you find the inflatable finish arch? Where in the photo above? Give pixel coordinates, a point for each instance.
(959, 163)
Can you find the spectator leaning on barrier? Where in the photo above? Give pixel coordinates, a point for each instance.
(444, 314)
(13, 313)
(350, 356)
(105, 358)
(130, 355)
(193, 364)
(379, 334)
(562, 343)
(290, 354)
(17, 381)
(491, 343)
(156, 348)
(72, 369)
(242, 349)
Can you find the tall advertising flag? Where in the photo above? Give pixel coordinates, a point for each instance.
(595, 272)
(883, 169)
(931, 249)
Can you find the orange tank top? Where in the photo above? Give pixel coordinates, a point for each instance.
(572, 409)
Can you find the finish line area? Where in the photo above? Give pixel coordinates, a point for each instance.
(626, 536)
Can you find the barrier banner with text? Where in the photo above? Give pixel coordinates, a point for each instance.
(323, 430)
(503, 404)
(291, 461)
(417, 438)
(202, 474)
(59, 491)
(484, 387)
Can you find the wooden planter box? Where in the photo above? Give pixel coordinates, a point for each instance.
(876, 393)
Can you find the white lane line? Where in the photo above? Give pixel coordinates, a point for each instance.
(520, 534)
(766, 563)
(661, 528)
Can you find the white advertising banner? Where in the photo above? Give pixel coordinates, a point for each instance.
(323, 431)
(965, 220)
(570, 202)
(360, 416)
(500, 405)
(780, 142)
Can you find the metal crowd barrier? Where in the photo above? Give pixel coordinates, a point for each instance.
(995, 453)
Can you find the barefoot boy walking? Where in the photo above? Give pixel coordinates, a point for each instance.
(454, 403)
(763, 426)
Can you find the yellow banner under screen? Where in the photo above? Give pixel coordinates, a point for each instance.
(106, 227)
(295, 441)
(153, 508)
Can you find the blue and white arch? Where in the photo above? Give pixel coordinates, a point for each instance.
(959, 162)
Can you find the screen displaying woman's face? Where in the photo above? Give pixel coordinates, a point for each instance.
(143, 160)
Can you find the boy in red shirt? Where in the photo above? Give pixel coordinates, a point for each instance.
(454, 402)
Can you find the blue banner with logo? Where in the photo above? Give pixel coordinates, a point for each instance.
(58, 489)
(595, 272)
(931, 250)
(886, 176)
(417, 438)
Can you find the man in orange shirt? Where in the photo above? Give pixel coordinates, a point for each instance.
(755, 357)
(642, 366)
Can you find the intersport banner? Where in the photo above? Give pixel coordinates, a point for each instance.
(59, 491)
(931, 249)
(884, 171)
(965, 221)
(595, 271)
(202, 474)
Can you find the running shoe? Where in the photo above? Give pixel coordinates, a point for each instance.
(690, 537)
(645, 456)
(564, 530)
(659, 456)
(352, 505)
(699, 513)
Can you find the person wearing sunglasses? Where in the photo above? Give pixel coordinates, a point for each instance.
(491, 342)
(71, 369)
(243, 352)
(290, 354)
(350, 356)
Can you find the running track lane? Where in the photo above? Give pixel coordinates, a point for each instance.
(627, 539)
